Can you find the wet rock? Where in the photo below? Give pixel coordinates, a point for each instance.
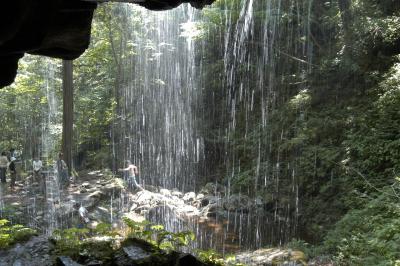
(152, 188)
(210, 210)
(100, 214)
(18, 262)
(177, 194)
(272, 256)
(165, 192)
(187, 210)
(143, 197)
(237, 203)
(86, 185)
(97, 195)
(113, 188)
(100, 248)
(94, 263)
(138, 252)
(33, 252)
(190, 196)
(66, 261)
(177, 200)
(204, 202)
(188, 260)
(96, 172)
(134, 217)
(200, 196)
(133, 207)
(212, 189)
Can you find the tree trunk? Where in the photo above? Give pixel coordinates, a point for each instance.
(68, 112)
(345, 15)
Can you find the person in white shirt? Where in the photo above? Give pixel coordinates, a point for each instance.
(37, 165)
(37, 169)
(83, 214)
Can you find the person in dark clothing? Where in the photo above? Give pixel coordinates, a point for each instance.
(62, 171)
(13, 172)
(3, 166)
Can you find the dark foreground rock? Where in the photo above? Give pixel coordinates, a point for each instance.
(131, 251)
(39, 251)
(34, 252)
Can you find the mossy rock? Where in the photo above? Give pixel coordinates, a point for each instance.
(99, 248)
(139, 252)
(296, 257)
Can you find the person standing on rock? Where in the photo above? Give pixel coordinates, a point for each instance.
(37, 165)
(132, 171)
(37, 168)
(13, 172)
(83, 215)
(3, 166)
(62, 171)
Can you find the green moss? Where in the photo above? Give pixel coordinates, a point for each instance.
(12, 234)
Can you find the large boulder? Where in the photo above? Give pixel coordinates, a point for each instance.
(66, 261)
(272, 256)
(189, 197)
(237, 202)
(138, 252)
(212, 189)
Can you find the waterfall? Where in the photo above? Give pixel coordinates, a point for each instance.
(51, 116)
(266, 59)
(168, 98)
(160, 97)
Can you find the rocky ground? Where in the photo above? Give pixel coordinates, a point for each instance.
(107, 200)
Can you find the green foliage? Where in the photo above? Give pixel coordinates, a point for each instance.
(211, 257)
(11, 234)
(311, 251)
(83, 242)
(24, 106)
(105, 229)
(69, 241)
(158, 236)
(370, 235)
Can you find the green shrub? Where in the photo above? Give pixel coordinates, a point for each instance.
(11, 234)
(370, 235)
(158, 236)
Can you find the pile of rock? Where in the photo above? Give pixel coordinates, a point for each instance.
(272, 256)
(132, 251)
(33, 252)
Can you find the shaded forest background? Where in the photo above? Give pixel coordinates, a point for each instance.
(323, 147)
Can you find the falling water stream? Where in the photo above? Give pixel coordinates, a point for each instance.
(161, 113)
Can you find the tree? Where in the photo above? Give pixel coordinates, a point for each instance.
(68, 112)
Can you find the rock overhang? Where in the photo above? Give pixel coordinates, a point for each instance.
(54, 28)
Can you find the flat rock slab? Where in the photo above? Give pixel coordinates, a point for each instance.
(66, 261)
(136, 253)
(272, 256)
